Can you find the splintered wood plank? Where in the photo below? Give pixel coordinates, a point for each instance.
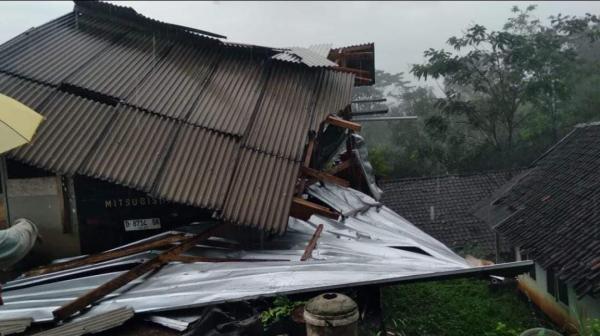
(343, 123)
(312, 243)
(104, 256)
(171, 254)
(322, 176)
(303, 209)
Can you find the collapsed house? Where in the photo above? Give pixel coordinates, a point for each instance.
(157, 135)
(141, 113)
(549, 214)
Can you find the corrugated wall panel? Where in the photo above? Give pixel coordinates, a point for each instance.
(133, 149)
(27, 92)
(229, 99)
(261, 192)
(282, 121)
(84, 38)
(71, 127)
(198, 171)
(118, 70)
(173, 87)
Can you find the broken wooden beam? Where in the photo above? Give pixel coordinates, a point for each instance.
(303, 209)
(358, 72)
(309, 150)
(324, 177)
(343, 123)
(312, 243)
(105, 256)
(90, 297)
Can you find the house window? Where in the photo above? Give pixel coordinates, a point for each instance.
(557, 287)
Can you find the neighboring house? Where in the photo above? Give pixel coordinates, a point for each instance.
(551, 214)
(441, 207)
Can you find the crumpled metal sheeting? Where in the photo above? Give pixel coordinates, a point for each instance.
(228, 100)
(345, 200)
(83, 36)
(71, 127)
(282, 120)
(199, 150)
(133, 150)
(265, 185)
(173, 86)
(362, 154)
(27, 92)
(313, 56)
(118, 70)
(364, 253)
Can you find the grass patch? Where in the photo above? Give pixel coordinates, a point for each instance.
(455, 308)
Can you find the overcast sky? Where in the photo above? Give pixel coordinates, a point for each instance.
(401, 30)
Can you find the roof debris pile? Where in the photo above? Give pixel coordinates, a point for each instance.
(369, 244)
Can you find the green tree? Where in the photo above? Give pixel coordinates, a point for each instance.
(492, 76)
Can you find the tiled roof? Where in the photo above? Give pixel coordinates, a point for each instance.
(553, 211)
(440, 206)
(169, 110)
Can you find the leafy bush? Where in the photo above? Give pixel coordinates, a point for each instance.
(282, 308)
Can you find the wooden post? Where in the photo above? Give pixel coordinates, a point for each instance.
(312, 243)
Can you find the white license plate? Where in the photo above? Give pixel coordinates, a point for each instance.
(142, 224)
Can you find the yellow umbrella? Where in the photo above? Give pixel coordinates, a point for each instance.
(18, 123)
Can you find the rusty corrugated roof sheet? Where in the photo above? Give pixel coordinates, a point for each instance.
(183, 117)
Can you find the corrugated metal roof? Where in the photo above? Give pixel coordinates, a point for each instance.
(187, 108)
(174, 85)
(71, 127)
(132, 152)
(261, 191)
(198, 154)
(118, 70)
(281, 124)
(27, 92)
(227, 102)
(83, 36)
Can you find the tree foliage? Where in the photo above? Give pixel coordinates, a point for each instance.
(507, 96)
